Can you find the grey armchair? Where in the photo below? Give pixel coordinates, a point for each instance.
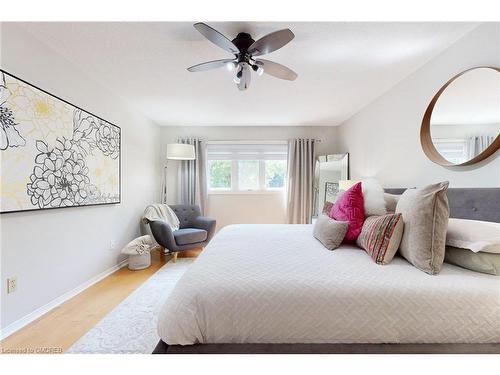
(194, 230)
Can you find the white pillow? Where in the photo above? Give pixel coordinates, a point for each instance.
(474, 235)
(373, 196)
(391, 201)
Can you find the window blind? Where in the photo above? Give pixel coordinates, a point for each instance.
(243, 151)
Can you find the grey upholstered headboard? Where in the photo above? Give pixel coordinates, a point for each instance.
(470, 203)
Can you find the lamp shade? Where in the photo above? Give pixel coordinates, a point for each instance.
(180, 151)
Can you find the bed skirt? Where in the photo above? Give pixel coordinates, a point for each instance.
(163, 348)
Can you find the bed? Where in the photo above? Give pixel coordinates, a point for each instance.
(275, 288)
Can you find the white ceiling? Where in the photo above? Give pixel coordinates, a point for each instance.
(341, 66)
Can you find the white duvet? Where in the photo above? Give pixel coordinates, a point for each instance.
(278, 284)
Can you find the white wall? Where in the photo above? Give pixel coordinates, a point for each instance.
(251, 207)
(52, 252)
(383, 138)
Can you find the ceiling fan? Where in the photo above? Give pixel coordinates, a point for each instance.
(245, 51)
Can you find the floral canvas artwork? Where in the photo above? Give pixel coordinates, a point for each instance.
(52, 153)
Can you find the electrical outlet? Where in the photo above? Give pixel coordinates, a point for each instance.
(112, 245)
(11, 284)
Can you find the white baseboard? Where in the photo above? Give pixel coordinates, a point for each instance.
(25, 320)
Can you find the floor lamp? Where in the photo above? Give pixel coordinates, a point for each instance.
(176, 151)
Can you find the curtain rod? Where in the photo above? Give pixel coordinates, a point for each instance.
(240, 141)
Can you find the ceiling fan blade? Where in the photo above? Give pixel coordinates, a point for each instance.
(277, 70)
(246, 77)
(216, 38)
(209, 65)
(271, 42)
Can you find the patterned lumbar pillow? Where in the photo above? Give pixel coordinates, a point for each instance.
(329, 232)
(381, 236)
(425, 214)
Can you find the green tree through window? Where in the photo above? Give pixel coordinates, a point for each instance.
(220, 174)
(275, 173)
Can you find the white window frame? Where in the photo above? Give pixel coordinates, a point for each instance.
(235, 167)
(459, 141)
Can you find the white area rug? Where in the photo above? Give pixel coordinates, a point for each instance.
(131, 326)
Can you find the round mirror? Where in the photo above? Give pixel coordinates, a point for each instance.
(461, 125)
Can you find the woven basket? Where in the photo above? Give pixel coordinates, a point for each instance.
(139, 261)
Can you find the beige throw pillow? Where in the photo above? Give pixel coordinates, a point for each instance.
(330, 232)
(425, 215)
(480, 262)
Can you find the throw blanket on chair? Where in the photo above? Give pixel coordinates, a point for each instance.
(163, 212)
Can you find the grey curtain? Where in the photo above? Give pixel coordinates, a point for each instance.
(301, 160)
(163, 192)
(192, 175)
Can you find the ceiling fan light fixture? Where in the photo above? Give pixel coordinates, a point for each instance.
(244, 50)
(239, 74)
(257, 68)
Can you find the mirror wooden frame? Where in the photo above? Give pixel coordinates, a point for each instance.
(425, 130)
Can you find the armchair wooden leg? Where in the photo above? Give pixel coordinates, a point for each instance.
(174, 257)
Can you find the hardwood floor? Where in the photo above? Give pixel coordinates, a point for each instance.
(57, 330)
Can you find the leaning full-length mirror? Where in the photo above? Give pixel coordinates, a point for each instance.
(462, 124)
(329, 170)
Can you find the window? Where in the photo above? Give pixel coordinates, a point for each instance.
(248, 174)
(219, 172)
(453, 150)
(275, 174)
(243, 167)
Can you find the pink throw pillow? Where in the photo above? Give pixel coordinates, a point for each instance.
(350, 207)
